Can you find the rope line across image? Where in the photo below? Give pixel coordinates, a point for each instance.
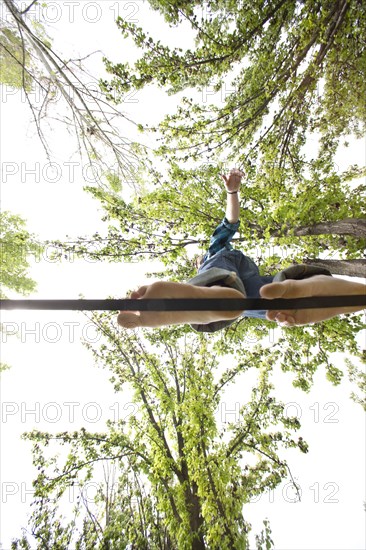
(185, 304)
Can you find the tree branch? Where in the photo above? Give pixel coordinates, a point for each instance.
(28, 8)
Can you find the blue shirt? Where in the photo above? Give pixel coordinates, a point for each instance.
(221, 238)
(221, 254)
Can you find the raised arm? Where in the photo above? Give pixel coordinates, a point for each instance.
(227, 228)
(232, 185)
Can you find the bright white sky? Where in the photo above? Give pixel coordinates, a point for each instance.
(53, 374)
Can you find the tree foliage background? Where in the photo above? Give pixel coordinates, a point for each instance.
(172, 478)
(63, 93)
(307, 90)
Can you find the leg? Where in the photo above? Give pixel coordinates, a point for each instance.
(130, 319)
(318, 285)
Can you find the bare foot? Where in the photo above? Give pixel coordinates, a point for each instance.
(162, 289)
(134, 319)
(318, 285)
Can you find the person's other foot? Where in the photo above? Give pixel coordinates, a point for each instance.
(318, 285)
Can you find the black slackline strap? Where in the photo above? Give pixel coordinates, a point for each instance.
(186, 304)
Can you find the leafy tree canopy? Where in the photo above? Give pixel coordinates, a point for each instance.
(293, 209)
(295, 68)
(191, 479)
(16, 245)
(174, 219)
(177, 479)
(14, 60)
(62, 84)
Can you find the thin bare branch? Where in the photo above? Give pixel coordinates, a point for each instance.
(29, 7)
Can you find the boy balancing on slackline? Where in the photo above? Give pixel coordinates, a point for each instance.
(228, 273)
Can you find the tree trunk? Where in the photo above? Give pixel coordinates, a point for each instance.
(196, 520)
(348, 226)
(351, 268)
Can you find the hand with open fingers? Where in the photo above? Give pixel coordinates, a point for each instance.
(233, 180)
